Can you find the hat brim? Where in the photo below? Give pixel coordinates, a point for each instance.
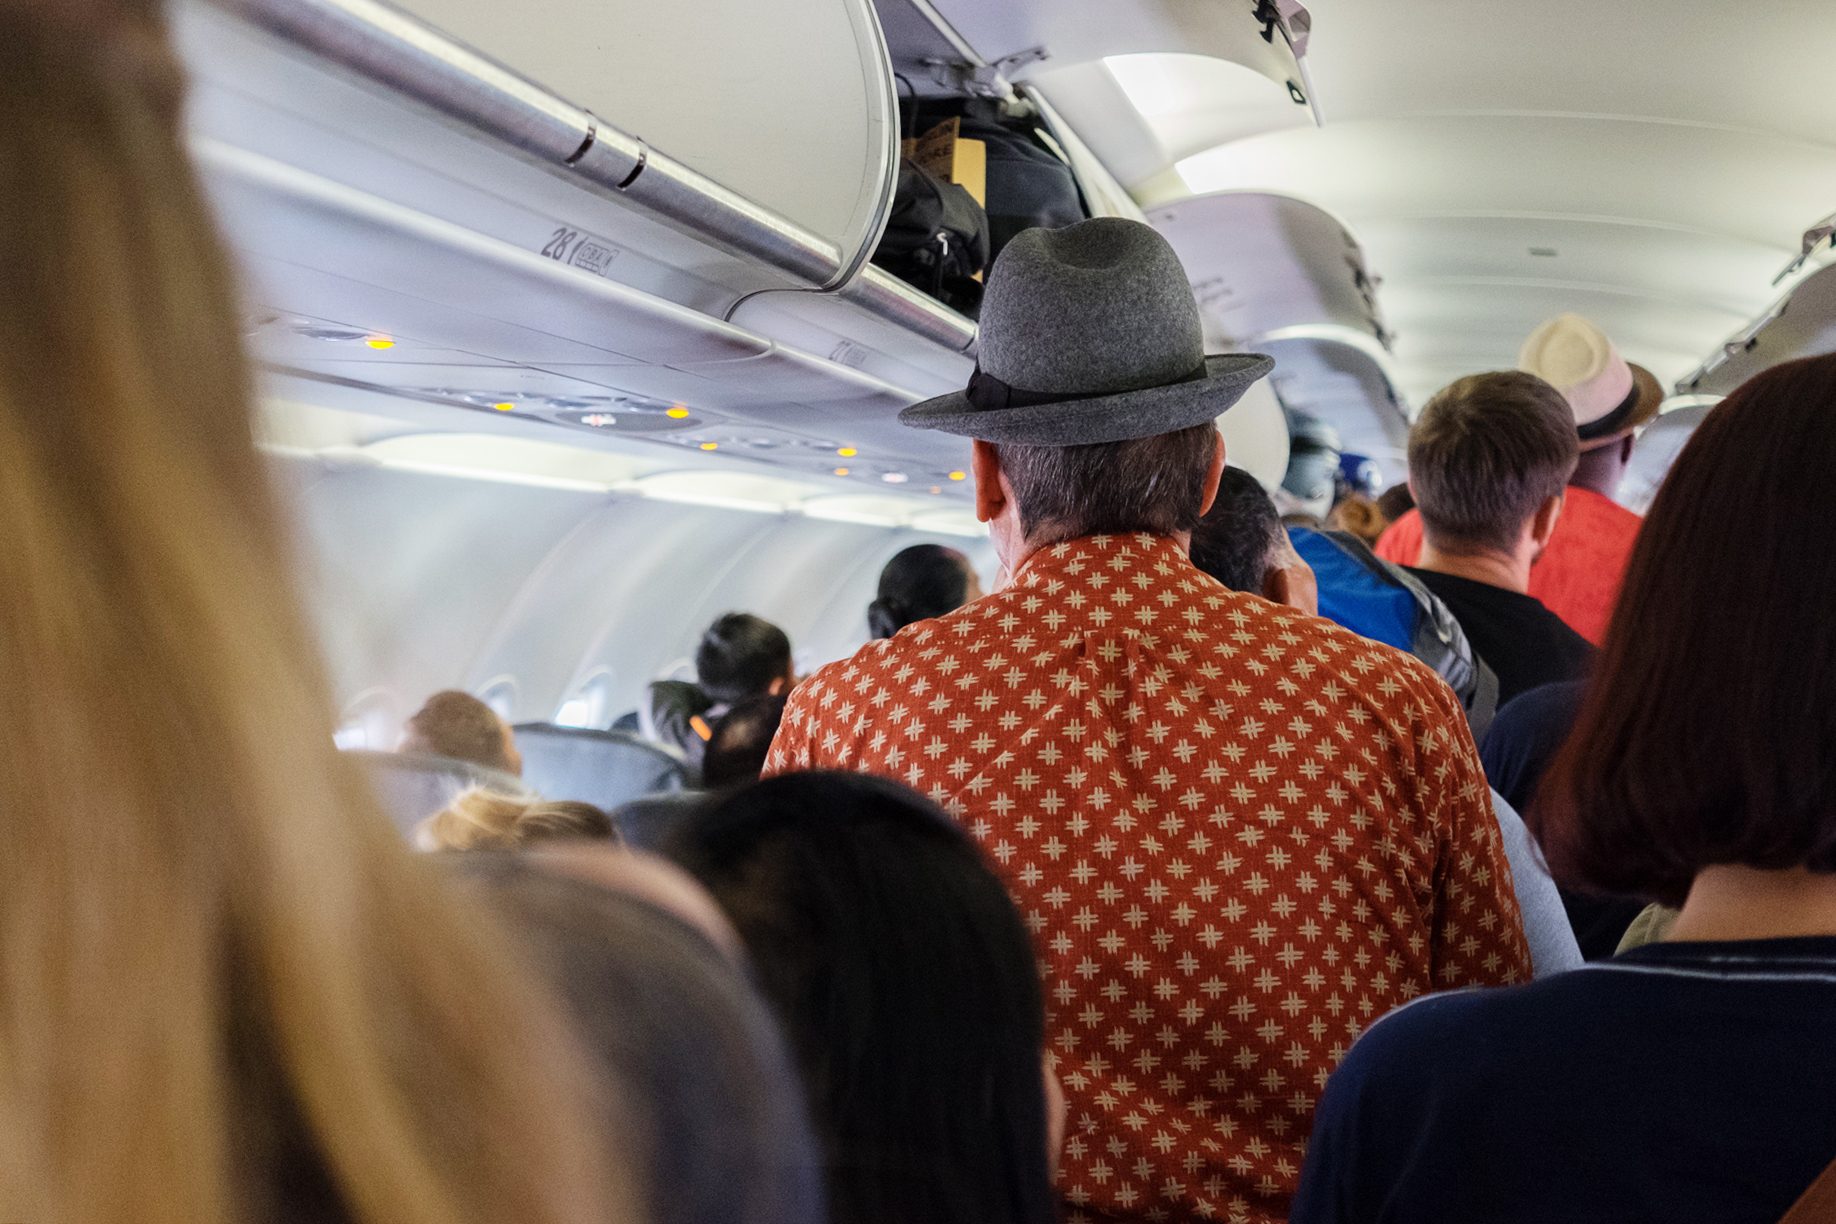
(1650, 399)
(1105, 418)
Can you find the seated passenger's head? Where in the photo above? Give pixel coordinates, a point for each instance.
(1093, 405)
(743, 656)
(1489, 457)
(1706, 739)
(459, 726)
(923, 581)
(481, 819)
(905, 979)
(1242, 544)
(707, 1096)
(741, 741)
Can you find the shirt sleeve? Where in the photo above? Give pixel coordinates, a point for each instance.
(1546, 927)
(1478, 931)
(793, 748)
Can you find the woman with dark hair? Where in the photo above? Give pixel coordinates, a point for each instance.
(923, 581)
(905, 980)
(1688, 1080)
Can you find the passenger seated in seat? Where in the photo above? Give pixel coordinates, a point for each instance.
(1240, 542)
(1185, 787)
(920, 582)
(458, 726)
(741, 741)
(481, 819)
(702, 1072)
(227, 991)
(1687, 1081)
(904, 978)
(740, 657)
(1488, 458)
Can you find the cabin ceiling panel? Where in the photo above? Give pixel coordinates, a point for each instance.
(1662, 236)
(1762, 67)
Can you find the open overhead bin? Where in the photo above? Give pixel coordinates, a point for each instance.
(1142, 85)
(1278, 275)
(380, 175)
(1800, 324)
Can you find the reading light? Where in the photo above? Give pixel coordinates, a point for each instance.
(708, 446)
(505, 407)
(841, 471)
(379, 343)
(677, 413)
(847, 452)
(959, 475)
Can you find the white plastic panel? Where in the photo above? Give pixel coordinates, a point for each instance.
(788, 102)
(1658, 447)
(425, 581)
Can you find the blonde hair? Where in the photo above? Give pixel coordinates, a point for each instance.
(481, 819)
(224, 985)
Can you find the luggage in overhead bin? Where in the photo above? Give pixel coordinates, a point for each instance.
(1029, 181)
(936, 238)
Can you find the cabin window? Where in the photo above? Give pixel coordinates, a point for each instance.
(371, 720)
(589, 705)
(500, 694)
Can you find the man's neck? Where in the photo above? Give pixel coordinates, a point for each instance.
(1745, 903)
(1492, 568)
(1600, 470)
(1026, 550)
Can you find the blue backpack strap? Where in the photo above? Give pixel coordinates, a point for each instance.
(1363, 580)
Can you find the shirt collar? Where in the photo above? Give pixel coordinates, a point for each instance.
(1136, 550)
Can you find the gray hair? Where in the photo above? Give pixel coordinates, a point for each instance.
(1154, 484)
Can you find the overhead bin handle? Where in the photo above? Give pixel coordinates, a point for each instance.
(397, 51)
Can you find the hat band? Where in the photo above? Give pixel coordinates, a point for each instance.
(987, 393)
(1613, 421)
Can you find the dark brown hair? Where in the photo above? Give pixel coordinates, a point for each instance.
(1485, 453)
(460, 726)
(1709, 736)
(1152, 484)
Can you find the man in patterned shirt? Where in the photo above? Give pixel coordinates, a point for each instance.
(1239, 833)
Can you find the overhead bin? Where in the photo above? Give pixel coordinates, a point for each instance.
(350, 113)
(1800, 324)
(1278, 275)
(419, 309)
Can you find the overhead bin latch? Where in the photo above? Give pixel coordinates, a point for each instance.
(984, 80)
(1814, 237)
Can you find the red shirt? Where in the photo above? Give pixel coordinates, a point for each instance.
(1578, 575)
(1239, 835)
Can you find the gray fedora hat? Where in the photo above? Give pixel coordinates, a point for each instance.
(1089, 334)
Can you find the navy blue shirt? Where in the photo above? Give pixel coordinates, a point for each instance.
(1518, 749)
(1680, 1083)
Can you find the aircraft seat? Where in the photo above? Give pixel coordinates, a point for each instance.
(604, 768)
(413, 786)
(646, 822)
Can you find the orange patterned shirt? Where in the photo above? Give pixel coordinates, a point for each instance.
(1239, 835)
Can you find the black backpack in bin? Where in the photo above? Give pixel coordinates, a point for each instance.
(936, 239)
